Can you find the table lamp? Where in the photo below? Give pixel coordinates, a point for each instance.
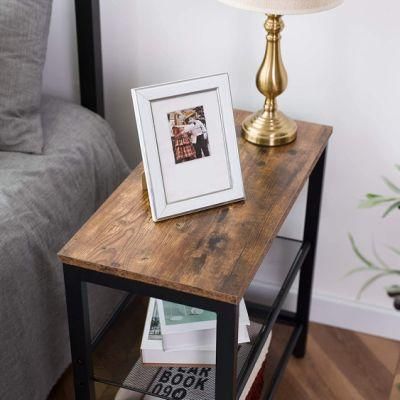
(270, 127)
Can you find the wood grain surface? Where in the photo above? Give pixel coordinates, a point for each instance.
(213, 253)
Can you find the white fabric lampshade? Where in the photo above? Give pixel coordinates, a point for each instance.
(284, 7)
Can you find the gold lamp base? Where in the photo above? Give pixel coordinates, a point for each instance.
(269, 128)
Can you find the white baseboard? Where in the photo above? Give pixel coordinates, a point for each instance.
(333, 311)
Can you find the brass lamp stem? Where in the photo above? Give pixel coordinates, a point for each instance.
(270, 127)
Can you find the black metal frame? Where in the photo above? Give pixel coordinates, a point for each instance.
(89, 54)
(228, 387)
(76, 280)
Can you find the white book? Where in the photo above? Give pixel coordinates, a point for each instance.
(152, 347)
(185, 327)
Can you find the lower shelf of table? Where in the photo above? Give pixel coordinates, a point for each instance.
(116, 357)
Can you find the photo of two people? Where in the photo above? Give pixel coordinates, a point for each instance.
(189, 136)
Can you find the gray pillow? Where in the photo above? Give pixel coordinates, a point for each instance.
(24, 29)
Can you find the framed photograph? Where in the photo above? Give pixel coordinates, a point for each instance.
(189, 147)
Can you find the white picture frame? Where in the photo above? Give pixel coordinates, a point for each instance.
(189, 147)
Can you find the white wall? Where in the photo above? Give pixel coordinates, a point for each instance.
(344, 71)
(61, 76)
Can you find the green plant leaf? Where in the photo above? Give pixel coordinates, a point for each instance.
(358, 253)
(373, 200)
(397, 166)
(391, 185)
(393, 290)
(391, 208)
(395, 251)
(369, 282)
(355, 271)
(378, 257)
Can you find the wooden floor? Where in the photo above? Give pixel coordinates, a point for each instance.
(339, 365)
(343, 365)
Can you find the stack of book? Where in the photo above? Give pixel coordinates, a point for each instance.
(176, 334)
(179, 352)
(195, 382)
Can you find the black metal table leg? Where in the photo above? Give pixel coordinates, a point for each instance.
(313, 208)
(227, 339)
(79, 331)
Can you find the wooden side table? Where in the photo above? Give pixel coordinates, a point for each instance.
(205, 260)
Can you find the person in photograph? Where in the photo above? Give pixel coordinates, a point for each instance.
(183, 146)
(199, 137)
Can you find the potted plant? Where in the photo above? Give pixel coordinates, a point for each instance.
(377, 265)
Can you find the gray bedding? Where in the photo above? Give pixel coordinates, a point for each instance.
(44, 199)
